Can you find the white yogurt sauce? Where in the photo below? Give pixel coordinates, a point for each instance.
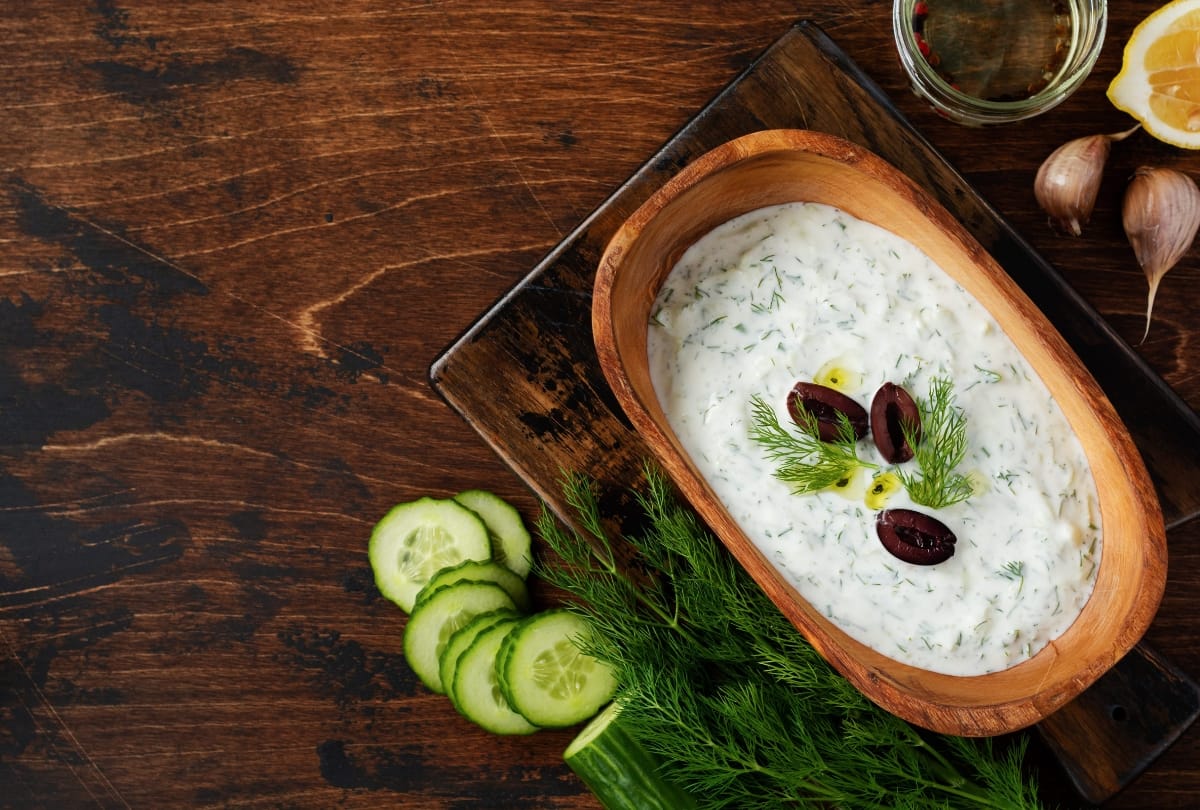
(785, 293)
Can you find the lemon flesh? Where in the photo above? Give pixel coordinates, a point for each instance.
(1159, 82)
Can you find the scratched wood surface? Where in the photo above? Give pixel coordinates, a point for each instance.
(233, 238)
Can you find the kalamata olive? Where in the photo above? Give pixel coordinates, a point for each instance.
(824, 404)
(914, 537)
(891, 408)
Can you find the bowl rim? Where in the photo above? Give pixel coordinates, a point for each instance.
(902, 689)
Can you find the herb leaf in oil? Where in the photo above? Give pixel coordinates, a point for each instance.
(806, 463)
(736, 704)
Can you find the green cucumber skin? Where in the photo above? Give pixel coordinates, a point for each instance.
(461, 641)
(471, 541)
(486, 596)
(514, 673)
(619, 771)
(511, 541)
(479, 661)
(482, 570)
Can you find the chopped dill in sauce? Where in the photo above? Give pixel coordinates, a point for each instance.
(817, 290)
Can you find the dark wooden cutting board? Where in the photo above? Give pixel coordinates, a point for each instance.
(526, 377)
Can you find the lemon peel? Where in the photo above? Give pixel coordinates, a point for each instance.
(1159, 81)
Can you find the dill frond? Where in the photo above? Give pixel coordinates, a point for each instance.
(805, 462)
(739, 708)
(942, 447)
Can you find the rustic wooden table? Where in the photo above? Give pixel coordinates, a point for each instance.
(235, 236)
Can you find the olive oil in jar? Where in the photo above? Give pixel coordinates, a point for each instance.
(1007, 50)
(990, 61)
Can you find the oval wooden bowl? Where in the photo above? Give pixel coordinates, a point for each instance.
(780, 166)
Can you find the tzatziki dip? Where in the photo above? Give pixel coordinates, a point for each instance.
(805, 292)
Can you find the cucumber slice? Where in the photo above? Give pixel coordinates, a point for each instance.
(488, 571)
(511, 541)
(461, 640)
(544, 675)
(417, 539)
(618, 770)
(435, 620)
(476, 687)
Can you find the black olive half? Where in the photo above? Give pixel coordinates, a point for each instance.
(824, 404)
(914, 537)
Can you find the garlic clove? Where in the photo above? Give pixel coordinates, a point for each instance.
(1160, 214)
(1068, 180)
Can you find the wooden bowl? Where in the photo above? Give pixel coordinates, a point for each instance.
(780, 166)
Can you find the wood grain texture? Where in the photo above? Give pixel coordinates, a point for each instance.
(1134, 714)
(234, 237)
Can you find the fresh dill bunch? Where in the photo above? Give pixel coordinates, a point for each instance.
(737, 706)
(807, 463)
(940, 448)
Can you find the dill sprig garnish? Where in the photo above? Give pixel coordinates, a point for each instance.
(941, 447)
(738, 707)
(807, 463)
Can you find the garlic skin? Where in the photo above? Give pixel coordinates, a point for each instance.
(1160, 214)
(1068, 180)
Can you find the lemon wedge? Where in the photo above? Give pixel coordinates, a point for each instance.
(1159, 82)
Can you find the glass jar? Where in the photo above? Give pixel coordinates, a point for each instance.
(995, 61)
